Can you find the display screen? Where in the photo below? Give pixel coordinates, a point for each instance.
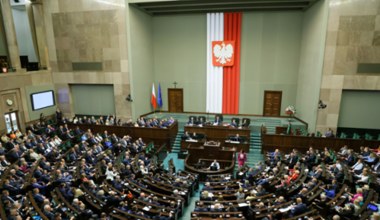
(42, 100)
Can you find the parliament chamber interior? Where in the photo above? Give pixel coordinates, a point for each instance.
(189, 109)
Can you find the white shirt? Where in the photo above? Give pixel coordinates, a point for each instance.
(363, 179)
(110, 175)
(357, 166)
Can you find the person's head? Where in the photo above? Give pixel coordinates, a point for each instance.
(281, 199)
(366, 187)
(260, 205)
(365, 172)
(82, 206)
(359, 190)
(323, 196)
(299, 200)
(103, 215)
(47, 208)
(336, 217)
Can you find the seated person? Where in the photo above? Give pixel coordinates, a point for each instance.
(346, 211)
(329, 133)
(192, 121)
(245, 122)
(195, 136)
(214, 166)
(236, 138)
(201, 121)
(186, 136)
(299, 208)
(371, 159)
(234, 123)
(218, 120)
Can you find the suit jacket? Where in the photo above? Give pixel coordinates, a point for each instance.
(201, 209)
(299, 209)
(38, 198)
(350, 160)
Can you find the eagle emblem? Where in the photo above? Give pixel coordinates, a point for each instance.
(223, 53)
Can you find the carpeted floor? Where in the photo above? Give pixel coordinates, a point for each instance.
(179, 164)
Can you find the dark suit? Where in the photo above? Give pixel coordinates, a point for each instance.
(201, 209)
(292, 161)
(38, 198)
(235, 138)
(298, 209)
(350, 160)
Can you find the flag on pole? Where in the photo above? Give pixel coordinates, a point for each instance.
(153, 100)
(159, 97)
(289, 129)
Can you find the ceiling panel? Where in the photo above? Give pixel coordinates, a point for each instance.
(157, 7)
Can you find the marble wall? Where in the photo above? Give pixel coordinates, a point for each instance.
(88, 31)
(353, 37)
(15, 86)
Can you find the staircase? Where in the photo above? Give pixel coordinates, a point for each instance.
(176, 148)
(254, 155)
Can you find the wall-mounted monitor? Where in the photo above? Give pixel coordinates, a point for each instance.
(42, 100)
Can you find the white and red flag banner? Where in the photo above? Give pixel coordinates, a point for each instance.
(223, 62)
(153, 99)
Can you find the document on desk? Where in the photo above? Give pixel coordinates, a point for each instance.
(244, 204)
(191, 140)
(285, 209)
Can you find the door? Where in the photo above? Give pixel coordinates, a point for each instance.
(175, 100)
(11, 121)
(272, 103)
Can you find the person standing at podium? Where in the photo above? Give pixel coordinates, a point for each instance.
(242, 158)
(214, 166)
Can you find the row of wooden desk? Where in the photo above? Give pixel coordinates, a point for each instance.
(286, 143)
(158, 135)
(218, 134)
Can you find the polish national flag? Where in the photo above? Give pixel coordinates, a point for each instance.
(153, 99)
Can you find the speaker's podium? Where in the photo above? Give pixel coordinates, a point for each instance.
(199, 159)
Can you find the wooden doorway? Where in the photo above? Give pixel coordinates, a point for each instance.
(272, 103)
(12, 121)
(175, 100)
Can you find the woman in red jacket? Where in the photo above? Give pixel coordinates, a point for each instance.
(242, 158)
